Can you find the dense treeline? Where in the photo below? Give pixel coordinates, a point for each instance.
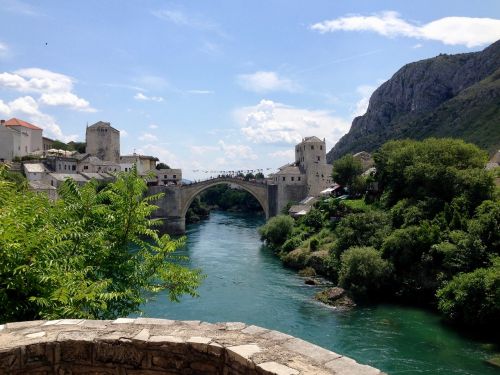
(430, 235)
(221, 197)
(94, 253)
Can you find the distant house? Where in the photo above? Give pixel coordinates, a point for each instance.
(144, 163)
(103, 141)
(61, 164)
(56, 179)
(42, 187)
(10, 142)
(92, 164)
(33, 141)
(47, 143)
(34, 171)
(168, 176)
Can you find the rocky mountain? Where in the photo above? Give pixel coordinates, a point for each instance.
(445, 96)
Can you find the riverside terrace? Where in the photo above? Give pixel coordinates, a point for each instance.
(159, 346)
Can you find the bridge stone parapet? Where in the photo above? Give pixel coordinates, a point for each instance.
(157, 346)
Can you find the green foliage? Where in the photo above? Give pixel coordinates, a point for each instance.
(292, 243)
(346, 169)
(92, 254)
(434, 168)
(225, 198)
(362, 229)
(259, 176)
(197, 211)
(276, 231)
(473, 298)
(313, 244)
(162, 166)
(363, 271)
(313, 219)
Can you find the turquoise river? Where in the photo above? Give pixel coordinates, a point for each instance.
(246, 283)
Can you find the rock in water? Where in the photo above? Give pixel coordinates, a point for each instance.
(336, 297)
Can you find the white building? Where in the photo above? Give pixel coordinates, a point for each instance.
(33, 141)
(144, 163)
(10, 142)
(34, 171)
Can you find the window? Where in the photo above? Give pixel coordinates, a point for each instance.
(175, 176)
(318, 158)
(298, 178)
(65, 166)
(165, 176)
(321, 147)
(284, 178)
(73, 168)
(312, 147)
(85, 167)
(293, 178)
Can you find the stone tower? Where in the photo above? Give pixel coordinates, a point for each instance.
(310, 156)
(103, 141)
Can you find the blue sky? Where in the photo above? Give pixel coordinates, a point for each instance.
(219, 85)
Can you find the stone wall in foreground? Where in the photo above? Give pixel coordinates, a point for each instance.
(158, 346)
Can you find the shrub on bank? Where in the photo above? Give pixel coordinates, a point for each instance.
(276, 231)
(363, 271)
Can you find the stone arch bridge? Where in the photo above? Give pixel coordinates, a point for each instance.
(172, 208)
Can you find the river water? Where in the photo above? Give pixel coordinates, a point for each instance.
(247, 283)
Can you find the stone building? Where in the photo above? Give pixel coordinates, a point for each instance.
(307, 176)
(10, 142)
(103, 141)
(60, 164)
(34, 171)
(144, 163)
(168, 176)
(47, 144)
(32, 139)
(92, 164)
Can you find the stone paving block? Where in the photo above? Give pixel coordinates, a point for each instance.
(22, 325)
(98, 324)
(36, 335)
(276, 336)
(254, 330)
(235, 326)
(123, 321)
(143, 335)
(51, 322)
(348, 366)
(242, 353)
(163, 322)
(315, 352)
(277, 368)
(167, 339)
(69, 321)
(199, 343)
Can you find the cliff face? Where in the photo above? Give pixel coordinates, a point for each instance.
(445, 96)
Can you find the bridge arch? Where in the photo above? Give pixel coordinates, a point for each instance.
(257, 190)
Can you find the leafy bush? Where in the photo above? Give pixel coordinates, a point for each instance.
(292, 244)
(276, 231)
(363, 271)
(314, 219)
(473, 298)
(363, 229)
(313, 244)
(346, 169)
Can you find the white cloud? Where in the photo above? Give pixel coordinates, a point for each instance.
(272, 122)
(27, 108)
(262, 82)
(283, 154)
(237, 151)
(202, 150)
(201, 92)
(153, 126)
(123, 133)
(55, 89)
(468, 31)
(148, 137)
(143, 97)
(365, 91)
(418, 45)
(197, 22)
(151, 82)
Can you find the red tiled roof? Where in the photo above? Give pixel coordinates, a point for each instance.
(16, 122)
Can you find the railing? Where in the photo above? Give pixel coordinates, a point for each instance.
(228, 177)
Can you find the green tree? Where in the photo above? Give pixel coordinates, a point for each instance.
(162, 166)
(363, 271)
(346, 169)
(91, 254)
(473, 298)
(276, 231)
